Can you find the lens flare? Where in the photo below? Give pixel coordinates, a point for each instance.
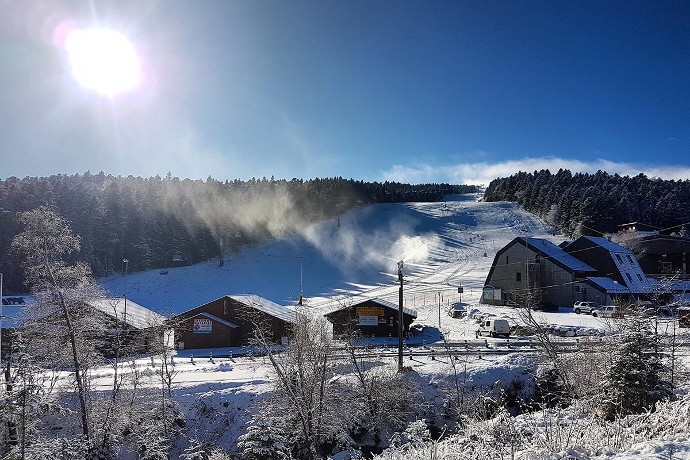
(103, 60)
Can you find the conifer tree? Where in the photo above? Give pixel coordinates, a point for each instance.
(635, 382)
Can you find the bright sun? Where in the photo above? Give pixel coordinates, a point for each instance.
(103, 60)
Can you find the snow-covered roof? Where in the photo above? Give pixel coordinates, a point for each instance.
(609, 285)
(12, 316)
(557, 254)
(382, 302)
(217, 319)
(394, 306)
(266, 306)
(130, 312)
(677, 286)
(627, 264)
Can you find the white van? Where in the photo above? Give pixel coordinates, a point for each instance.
(493, 327)
(607, 311)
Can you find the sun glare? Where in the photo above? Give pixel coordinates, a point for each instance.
(103, 60)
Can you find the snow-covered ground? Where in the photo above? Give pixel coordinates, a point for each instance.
(444, 245)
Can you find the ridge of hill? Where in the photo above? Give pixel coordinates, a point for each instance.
(594, 204)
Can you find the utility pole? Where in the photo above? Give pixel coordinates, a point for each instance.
(400, 317)
(301, 261)
(1, 280)
(125, 262)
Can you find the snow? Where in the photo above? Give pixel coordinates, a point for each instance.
(554, 252)
(635, 279)
(128, 311)
(444, 245)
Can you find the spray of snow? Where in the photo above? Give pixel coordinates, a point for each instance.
(413, 249)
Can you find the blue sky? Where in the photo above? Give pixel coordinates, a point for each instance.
(457, 91)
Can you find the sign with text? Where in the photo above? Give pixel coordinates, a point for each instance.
(370, 311)
(203, 326)
(368, 320)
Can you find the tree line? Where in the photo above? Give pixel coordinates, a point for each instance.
(156, 222)
(592, 204)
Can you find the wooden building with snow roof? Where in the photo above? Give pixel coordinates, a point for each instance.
(120, 326)
(231, 321)
(535, 266)
(371, 317)
(589, 268)
(141, 330)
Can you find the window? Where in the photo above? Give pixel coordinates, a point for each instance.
(518, 276)
(618, 256)
(629, 277)
(507, 260)
(639, 277)
(630, 259)
(225, 306)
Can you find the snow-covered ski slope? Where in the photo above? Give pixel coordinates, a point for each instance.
(443, 245)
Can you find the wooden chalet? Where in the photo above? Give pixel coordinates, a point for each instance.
(141, 330)
(231, 321)
(369, 317)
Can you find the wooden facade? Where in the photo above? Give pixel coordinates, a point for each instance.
(589, 268)
(231, 321)
(535, 267)
(664, 255)
(371, 317)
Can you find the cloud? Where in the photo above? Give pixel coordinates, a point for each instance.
(484, 172)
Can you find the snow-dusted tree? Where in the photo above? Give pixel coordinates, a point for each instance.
(306, 404)
(382, 400)
(61, 291)
(263, 441)
(636, 380)
(551, 217)
(416, 433)
(628, 239)
(549, 347)
(27, 394)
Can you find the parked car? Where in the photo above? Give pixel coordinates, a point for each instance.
(607, 311)
(493, 327)
(582, 306)
(457, 310)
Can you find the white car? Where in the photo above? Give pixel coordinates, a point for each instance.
(582, 306)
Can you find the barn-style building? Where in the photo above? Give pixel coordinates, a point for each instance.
(534, 265)
(231, 321)
(589, 268)
(369, 317)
